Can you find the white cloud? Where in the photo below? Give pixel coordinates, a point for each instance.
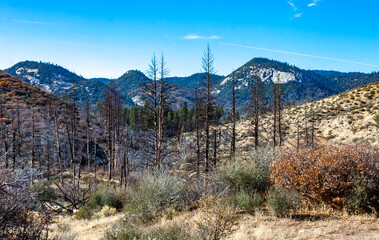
(192, 37)
(33, 22)
(196, 36)
(314, 3)
(298, 15)
(301, 54)
(292, 5)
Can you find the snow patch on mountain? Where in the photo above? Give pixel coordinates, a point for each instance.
(225, 80)
(271, 74)
(216, 91)
(32, 70)
(46, 87)
(266, 75)
(19, 71)
(56, 84)
(137, 100)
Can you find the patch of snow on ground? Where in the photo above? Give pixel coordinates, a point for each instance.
(216, 91)
(137, 100)
(46, 87)
(225, 80)
(19, 71)
(271, 74)
(32, 70)
(34, 81)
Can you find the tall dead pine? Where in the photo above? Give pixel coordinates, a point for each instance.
(233, 143)
(277, 102)
(257, 104)
(208, 69)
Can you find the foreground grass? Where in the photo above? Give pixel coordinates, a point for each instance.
(262, 226)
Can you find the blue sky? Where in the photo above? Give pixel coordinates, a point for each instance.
(107, 38)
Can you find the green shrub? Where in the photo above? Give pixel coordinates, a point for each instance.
(282, 202)
(154, 196)
(247, 202)
(249, 177)
(105, 196)
(99, 200)
(376, 119)
(84, 213)
(106, 211)
(126, 233)
(44, 191)
(363, 198)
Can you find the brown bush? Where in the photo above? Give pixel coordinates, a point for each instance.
(325, 173)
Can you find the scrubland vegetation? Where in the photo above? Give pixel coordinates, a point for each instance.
(325, 182)
(150, 172)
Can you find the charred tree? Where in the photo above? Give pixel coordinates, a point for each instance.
(257, 105)
(234, 118)
(208, 70)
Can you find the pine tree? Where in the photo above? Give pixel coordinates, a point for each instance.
(183, 115)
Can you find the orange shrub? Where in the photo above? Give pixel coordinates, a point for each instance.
(326, 173)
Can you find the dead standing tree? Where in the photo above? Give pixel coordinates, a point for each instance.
(150, 93)
(112, 104)
(197, 128)
(164, 105)
(157, 93)
(257, 105)
(234, 118)
(277, 137)
(208, 70)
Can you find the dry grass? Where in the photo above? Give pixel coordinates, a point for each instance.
(65, 228)
(266, 227)
(317, 223)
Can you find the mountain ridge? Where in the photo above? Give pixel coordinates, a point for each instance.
(299, 85)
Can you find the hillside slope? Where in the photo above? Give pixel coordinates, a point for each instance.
(58, 80)
(13, 91)
(344, 118)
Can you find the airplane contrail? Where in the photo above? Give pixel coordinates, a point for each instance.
(300, 54)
